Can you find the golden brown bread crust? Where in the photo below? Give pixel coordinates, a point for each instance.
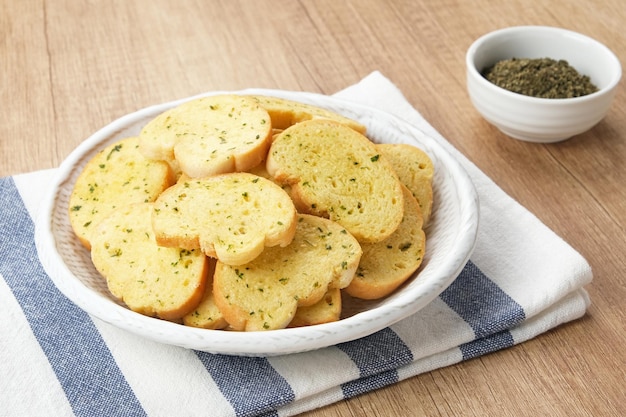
(326, 310)
(265, 293)
(231, 217)
(337, 173)
(210, 135)
(388, 264)
(285, 113)
(415, 170)
(207, 315)
(152, 280)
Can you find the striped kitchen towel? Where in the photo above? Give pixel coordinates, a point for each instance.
(57, 360)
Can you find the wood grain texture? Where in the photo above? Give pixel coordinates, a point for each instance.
(69, 67)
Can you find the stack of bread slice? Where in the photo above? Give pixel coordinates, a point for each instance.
(249, 212)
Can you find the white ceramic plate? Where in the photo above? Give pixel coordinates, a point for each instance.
(449, 243)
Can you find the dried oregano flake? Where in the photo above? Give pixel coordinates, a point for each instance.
(540, 77)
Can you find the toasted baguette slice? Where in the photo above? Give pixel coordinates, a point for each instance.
(231, 217)
(326, 310)
(161, 282)
(265, 293)
(210, 135)
(285, 113)
(206, 315)
(415, 170)
(388, 264)
(117, 175)
(336, 172)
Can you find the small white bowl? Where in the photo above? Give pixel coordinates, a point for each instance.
(533, 119)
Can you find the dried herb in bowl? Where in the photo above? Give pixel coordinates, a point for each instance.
(540, 77)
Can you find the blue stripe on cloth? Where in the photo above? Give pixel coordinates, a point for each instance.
(488, 310)
(79, 357)
(377, 356)
(367, 384)
(486, 345)
(251, 385)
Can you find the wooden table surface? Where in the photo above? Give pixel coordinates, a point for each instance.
(70, 67)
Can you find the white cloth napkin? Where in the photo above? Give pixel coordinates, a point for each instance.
(56, 360)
